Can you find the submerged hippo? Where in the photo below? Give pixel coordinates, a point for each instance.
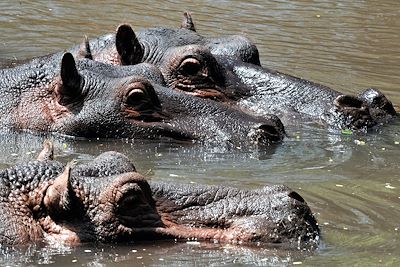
(195, 69)
(69, 98)
(106, 200)
(207, 118)
(149, 45)
(228, 70)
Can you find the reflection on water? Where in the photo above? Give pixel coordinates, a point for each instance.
(337, 175)
(351, 182)
(162, 253)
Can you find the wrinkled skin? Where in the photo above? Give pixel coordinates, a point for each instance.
(196, 70)
(228, 70)
(83, 101)
(294, 99)
(204, 118)
(150, 45)
(46, 96)
(106, 200)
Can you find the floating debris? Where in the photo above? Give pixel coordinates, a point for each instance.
(297, 263)
(87, 251)
(389, 186)
(196, 243)
(397, 142)
(339, 185)
(347, 132)
(359, 142)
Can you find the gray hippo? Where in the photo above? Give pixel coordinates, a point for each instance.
(106, 200)
(149, 45)
(228, 69)
(44, 95)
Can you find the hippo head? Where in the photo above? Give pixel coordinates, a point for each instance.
(202, 119)
(91, 105)
(228, 69)
(186, 59)
(150, 45)
(106, 200)
(103, 200)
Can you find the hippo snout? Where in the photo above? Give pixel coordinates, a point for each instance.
(267, 133)
(380, 108)
(349, 112)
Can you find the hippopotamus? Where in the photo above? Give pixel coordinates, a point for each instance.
(106, 200)
(228, 69)
(43, 95)
(297, 100)
(149, 45)
(196, 70)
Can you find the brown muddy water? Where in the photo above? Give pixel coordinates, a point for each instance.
(351, 182)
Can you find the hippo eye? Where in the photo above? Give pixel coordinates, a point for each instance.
(135, 96)
(190, 66)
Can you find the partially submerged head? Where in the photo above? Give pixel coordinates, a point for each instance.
(361, 112)
(106, 200)
(90, 104)
(189, 63)
(202, 120)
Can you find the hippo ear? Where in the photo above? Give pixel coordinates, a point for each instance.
(129, 49)
(84, 49)
(58, 195)
(71, 80)
(48, 151)
(187, 22)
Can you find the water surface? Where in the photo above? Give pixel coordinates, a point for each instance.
(351, 182)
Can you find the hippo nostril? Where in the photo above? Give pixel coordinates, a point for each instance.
(377, 100)
(344, 101)
(265, 133)
(271, 130)
(296, 196)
